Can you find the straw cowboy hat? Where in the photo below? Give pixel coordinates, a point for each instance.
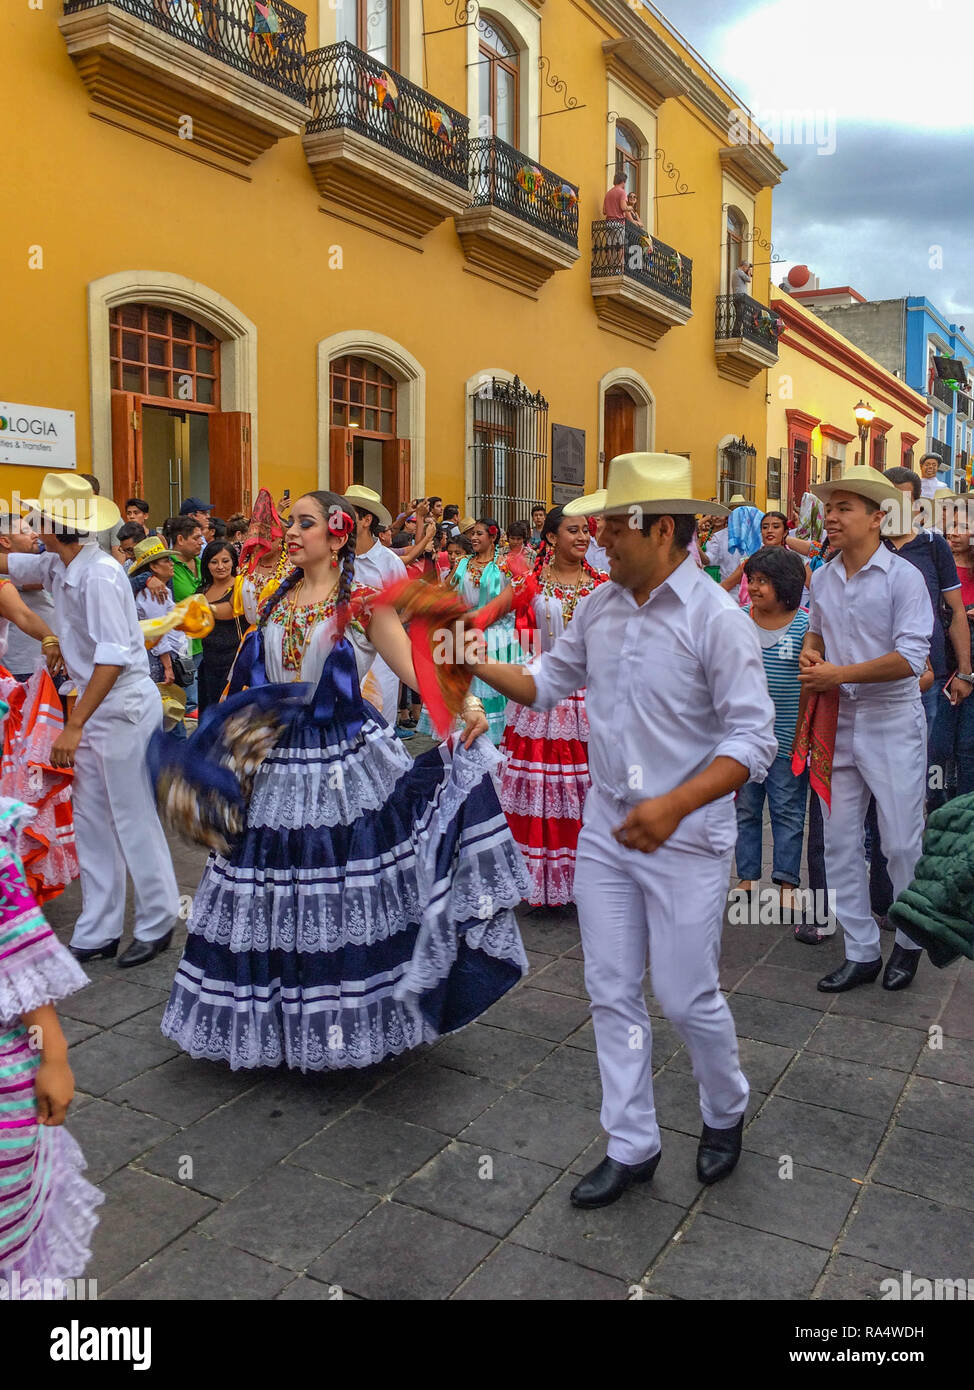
(593, 502)
(368, 501)
(658, 483)
(864, 481)
(465, 524)
(70, 501)
(738, 500)
(173, 705)
(147, 552)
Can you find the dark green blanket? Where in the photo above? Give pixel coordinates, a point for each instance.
(937, 910)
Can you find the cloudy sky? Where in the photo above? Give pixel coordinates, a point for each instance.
(879, 192)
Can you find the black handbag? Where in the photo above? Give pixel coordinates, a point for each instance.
(183, 670)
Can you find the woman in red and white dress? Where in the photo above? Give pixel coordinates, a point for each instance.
(546, 773)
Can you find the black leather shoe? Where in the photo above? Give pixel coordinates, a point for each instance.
(719, 1151)
(901, 968)
(607, 1182)
(849, 974)
(141, 951)
(82, 955)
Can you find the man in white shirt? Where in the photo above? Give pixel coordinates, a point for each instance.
(869, 636)
(376, 565)
(680, 717)
(23, 654)
(106, 736)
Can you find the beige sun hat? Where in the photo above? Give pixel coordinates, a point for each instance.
(655, 482)
(148, 551)
(864, 481)
(368, 501)
(589, 505)
(465, 524)
(738, 500)
(69, 500)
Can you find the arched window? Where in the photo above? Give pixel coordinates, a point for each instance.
(736, 242)
(155, 352)
(363, 397)
(498, 59)
(372, 26)
(628, 161)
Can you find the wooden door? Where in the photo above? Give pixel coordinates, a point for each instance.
(620, 424)
(230, 462)
(340, 460)
(127, 480)
(396, 478)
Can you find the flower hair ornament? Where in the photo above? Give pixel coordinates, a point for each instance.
(339, 522)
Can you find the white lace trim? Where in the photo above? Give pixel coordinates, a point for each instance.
(39, 979)
(296, 788)
(566, 720)
(544, 797)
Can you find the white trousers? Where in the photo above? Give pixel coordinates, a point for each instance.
(115, 822)
(671, 904)
(879, 749)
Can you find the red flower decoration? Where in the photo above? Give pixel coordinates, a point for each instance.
(340, 523)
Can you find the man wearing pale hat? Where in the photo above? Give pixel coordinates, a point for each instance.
(376, 565)
(680, 717)
(869, 637)
(106, 735)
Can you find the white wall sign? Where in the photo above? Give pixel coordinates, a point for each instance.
(34, 434)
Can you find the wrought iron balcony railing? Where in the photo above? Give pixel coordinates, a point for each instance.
(942, 450)
(942, 392)
(963, 406)
(269, 47)
(346, 87)
(740, 316)
(502, 177)
(622, 248)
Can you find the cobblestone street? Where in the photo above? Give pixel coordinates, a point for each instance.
(376, 1183)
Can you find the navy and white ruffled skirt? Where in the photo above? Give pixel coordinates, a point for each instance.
(368, 906)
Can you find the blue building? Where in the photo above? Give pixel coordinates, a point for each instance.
(905, 335)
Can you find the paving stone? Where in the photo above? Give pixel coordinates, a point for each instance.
(78, 1101)
(583, 1037)
(815, 1136)
(495, 1053)
(141, 1215)
(958, 1018)
(305, 1290)
(104, 1062)
(954, 1061)
(719, 1260)
(731, 975)
(435, 1097)
(862, 1040)
(847, 1279)
(146, 1026)
(621, 1240)
(938, 1107)
(563, 976)
(809, 1206)
(183, 1089)
(369, 1151)
(159, 972)
(569, 1073)
(548, 934)
(74, 1031)
(767, 1020)
(533, 1126)
(675, 1180)
(907, 1008)
(854, 1086)
(288, 1216)
(745, 945)
(400, 1252)
(109, 1001)
(516, 1274)
(232, 1146)
(111, 1136)
(762, 1063)
(929, 1165)
(906, 1232)
(812, 960)
(458, 1185)
(678, 1101)
(778, 982)
(195, 1269)
(538, 1013)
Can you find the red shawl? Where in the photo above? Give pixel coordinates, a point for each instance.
(815, 742)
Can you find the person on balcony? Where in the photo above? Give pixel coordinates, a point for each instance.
(740, 286)
(615, 206)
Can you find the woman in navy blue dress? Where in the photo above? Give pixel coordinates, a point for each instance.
(357, 902)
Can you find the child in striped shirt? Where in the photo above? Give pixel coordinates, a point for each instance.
(775, 578)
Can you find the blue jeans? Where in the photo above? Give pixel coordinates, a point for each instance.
(787, 796)
(952, 750)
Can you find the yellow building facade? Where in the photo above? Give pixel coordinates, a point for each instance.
(820, 379)
(363, 240)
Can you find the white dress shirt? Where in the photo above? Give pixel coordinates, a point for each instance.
(719, 553)
(378, 566)
(882, 608)
(94, 612)
(23, 653)
(596, 556)
(928, 486)
(670, 684)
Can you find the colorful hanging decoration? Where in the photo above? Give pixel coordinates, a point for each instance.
(385, 93)
(264, 22)
(530, 178)
(197, 10)
(441, 123)
(564, 198)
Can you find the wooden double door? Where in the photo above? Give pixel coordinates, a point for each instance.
(375, 461)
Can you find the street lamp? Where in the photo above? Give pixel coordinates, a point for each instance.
(865, 415)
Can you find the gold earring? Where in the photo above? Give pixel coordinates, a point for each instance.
(334, 560)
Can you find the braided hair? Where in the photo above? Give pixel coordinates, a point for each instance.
(546, 549)
(329, 504)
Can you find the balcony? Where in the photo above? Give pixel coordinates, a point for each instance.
(383, 152)
(641, 286)
(745, 337)
(203, 71)
(942, 450)
(963, 406)
(522, 225)
(942, 392)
